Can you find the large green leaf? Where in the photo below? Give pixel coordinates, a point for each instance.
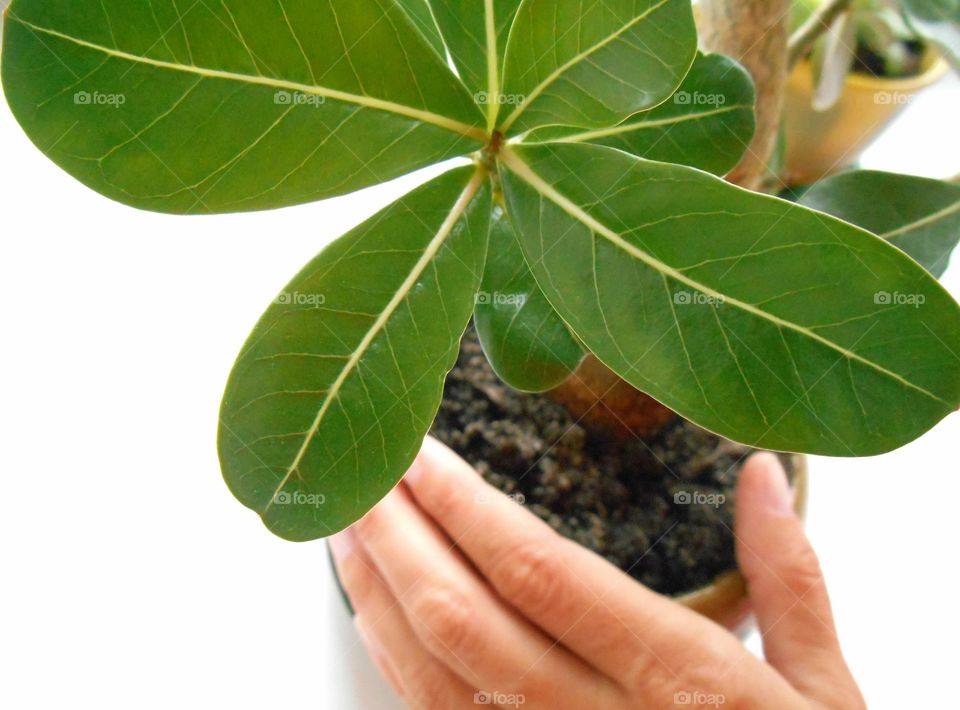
(339, 382)
(235, 105)
(476, 34)
(760, 319)
(919, 215)
(594, 64)
(421, 15)
(526, 342)
(706, 124)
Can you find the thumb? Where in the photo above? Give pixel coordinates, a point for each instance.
(787, 588)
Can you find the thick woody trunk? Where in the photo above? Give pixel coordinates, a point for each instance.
(755, 33)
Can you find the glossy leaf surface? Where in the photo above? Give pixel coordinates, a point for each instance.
(706, 124)
(594, 64)
(340, 380)
(233, 105)
(526, 342)
(919, 215)
(757, 318)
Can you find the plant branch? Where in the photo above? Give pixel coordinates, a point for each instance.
(811, 30)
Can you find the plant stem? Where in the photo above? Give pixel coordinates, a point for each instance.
(754, 32)
(808, 33)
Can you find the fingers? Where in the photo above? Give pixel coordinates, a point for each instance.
(413, 673)
(460, 622)
(617, 625)
(787, 588)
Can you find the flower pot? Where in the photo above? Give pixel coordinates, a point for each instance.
(532, 449)
(819, 143)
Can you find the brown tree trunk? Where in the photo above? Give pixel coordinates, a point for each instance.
(755, 33)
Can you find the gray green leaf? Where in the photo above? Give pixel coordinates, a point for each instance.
(526, 342)
(594, 64)
(918, 215)
(229, 106)
(706, 124)
(332, 395)
(757, 318)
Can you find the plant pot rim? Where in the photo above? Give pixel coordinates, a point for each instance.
(725, 598)
(933, 67)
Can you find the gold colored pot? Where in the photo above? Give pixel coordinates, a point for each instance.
(819, 143)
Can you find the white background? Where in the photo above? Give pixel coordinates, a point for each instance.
(130, 576)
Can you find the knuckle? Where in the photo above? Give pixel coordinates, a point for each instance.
(446, 500)
(445, 620)
(529, 575)
(801, 572)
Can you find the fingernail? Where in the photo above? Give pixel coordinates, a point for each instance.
(342, 543)
(779, 496)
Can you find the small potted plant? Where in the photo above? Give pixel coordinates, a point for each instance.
(587, 232)
(856, 65)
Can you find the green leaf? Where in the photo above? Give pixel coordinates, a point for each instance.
(918, 215)
(759, 319)
(594, 64)
(476, 34)
(219, 107)
(938, 21)
(421, 16)
(706, 124)
(332, 395)
(526, 342)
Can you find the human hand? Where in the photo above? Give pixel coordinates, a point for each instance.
(457, 590)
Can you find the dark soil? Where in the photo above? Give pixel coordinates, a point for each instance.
(661, 508)
(869, 62)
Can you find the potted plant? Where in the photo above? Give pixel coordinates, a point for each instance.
(856, 65)
(588, 235)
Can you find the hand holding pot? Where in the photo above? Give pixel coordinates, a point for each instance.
(464, 598)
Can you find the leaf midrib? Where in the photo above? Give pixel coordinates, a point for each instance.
(641, 125)
(436, 119)
(922, 222)
(438, 240)
(525, 172)
(563, 68)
